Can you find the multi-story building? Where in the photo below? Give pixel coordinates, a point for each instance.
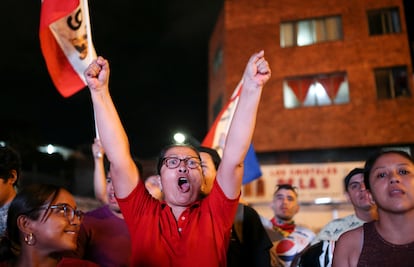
(341, 83)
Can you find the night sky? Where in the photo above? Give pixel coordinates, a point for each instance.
(158, 55)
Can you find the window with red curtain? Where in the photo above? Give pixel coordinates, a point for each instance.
(331, 84)
(300, 87)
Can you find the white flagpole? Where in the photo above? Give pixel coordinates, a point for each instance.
(90, 46)
(88, 29)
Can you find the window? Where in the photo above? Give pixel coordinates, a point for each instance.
(383, 21)
(392, 82)
(307, 32)
(317, 90)
(287, 35)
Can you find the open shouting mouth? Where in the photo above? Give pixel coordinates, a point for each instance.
(183, 184)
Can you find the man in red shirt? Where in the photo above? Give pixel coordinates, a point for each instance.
(183, 229)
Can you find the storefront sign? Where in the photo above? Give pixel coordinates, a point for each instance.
(314, 182)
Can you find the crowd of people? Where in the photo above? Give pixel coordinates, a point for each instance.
(191, 212)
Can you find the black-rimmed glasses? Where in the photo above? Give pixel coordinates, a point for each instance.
(67, 211)
(174, 162)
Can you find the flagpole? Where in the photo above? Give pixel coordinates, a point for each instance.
(90, 46)
(88, 28)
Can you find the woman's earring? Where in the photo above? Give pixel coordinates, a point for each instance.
(30, 239)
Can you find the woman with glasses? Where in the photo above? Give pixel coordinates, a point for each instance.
(182, 229)
(42, 223)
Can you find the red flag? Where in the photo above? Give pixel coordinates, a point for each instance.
(66, 44)
(216, 137)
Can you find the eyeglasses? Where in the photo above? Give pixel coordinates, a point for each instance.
(67, 211)
(174, 162)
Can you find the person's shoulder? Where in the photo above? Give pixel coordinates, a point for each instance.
(349, 246)
(266, 222)
(305, 232)
(303, 228)
(341, 224)
(342, 220)
(5, 208)
(250, 211)
(351, 236)
(333, 224)
(357, 230)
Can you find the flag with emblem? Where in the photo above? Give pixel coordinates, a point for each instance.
(216, 137)
(66, 43)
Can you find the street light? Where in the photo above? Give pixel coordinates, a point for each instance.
(181, 138)
(51, 149)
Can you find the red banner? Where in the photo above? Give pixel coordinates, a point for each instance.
(66, 43)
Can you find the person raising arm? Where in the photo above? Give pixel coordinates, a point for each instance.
(183, 229)
(112, 134)
(230, 171)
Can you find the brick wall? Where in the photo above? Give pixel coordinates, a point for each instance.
(365, 121)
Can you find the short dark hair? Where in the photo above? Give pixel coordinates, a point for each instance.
(373, 158)
(213, 153)
(9, 161)
(348, 177)
(286, 187)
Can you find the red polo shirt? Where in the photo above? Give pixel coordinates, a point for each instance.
(200, 237)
